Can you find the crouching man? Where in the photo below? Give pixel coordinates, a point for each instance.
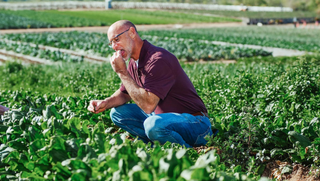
(167, 106)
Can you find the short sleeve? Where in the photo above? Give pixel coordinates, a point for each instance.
(159, 78)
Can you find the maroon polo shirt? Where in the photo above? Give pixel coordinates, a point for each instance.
(160, 72)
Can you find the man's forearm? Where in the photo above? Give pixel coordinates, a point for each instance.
(116, 99)
(144, 99)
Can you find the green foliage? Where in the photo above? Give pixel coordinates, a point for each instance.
(55, 18)
(95, 43)
(11, 21)
(289, 38)
(263, 111)
(255, 14)
(52, 55)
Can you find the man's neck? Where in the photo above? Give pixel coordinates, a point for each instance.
(138, 47)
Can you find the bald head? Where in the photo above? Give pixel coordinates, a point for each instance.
(121, 25)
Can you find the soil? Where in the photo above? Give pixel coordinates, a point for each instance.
(274, 168)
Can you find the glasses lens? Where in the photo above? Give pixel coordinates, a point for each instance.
(116, 39)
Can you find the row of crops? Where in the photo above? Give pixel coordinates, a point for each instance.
(54, 18)
(281, 37)
(254, 14)
(96, 44)
(264, 112)
(191, 45)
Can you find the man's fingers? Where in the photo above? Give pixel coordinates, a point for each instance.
(92, 106)
(96, 106)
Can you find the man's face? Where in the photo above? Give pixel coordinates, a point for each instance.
(121, 41)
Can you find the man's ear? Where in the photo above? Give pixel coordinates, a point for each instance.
(132, 32)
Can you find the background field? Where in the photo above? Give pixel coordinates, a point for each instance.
(252, 14)
(54, 18)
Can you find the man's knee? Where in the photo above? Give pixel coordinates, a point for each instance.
(116, 114)
(152, 128)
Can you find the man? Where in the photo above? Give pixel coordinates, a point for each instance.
(167, 107)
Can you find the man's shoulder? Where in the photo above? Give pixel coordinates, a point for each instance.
(156, 52)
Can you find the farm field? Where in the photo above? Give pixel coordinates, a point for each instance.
(55, 18)
(266, 108)
(264, 111)
(95, 44)
(253, 14)
(269, 36)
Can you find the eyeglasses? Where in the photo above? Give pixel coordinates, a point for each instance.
(116, 38)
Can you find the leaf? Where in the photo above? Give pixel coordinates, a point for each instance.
(32, 176)
(51, 111)
(274, 152)
(57, 143)
(296, 137)
(3, 129)
(86, 152)
(81, 174)
(4, 153)
(260, 169)
(237, 169)
(61, 171)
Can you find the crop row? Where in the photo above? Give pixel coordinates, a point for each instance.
(53, 18)
(52, 55)
(184, 49)
(38, 19)
(254, 14)
(289, 38)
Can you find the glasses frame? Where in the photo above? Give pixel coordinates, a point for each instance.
(117, 36)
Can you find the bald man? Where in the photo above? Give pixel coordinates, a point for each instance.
(167, 106)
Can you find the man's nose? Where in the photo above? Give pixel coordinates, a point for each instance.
(114, 45)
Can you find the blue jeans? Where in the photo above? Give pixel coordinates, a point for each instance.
(184, 129)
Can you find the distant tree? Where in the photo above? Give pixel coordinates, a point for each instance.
(253, 2)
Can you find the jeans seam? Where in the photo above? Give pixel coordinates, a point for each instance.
(169, 133)
(201, 135)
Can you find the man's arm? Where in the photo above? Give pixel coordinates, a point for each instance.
(147, 101)
(117, 99)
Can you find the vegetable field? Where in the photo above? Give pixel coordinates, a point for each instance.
(253, 14)
(264, 111)
(55, 18)
(267, 109)
(95, 44)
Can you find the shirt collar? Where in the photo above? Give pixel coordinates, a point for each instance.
(143, 53)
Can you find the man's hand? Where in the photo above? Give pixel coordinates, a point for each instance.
(3, 109)
(97, 106)
(118, 63)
